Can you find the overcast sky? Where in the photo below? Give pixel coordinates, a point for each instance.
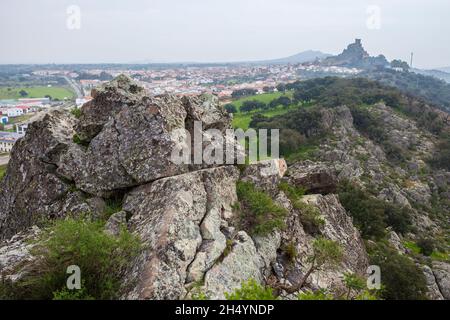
(46, 31)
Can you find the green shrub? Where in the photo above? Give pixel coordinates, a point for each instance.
(310, 218)
(326, 253)
(101, 257)
(367, 212)
(353, 282)
(309, 215)
(426, 246)
(290, 250)
(76, 139)
(251, 290)
(371, 215)
(401, 278)
(315, 295)
(399, 218)
(66, 294)
(292, 192)
(260, 215)
(113, 205)
(76, 112)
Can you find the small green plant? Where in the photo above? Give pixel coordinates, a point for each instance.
(113, 205)
(290, 251)
(326, 253)
(367, 295)
(315, 295)
(66, 294)
(309, 215)
(76, 112)
(426, 246)
(76, 139)
(228, 248)
(310, 218)
(196, 293)
(259, 214)
(251, 290)
(353, 282)
(101, 258)
(412, 247)
(292, 192)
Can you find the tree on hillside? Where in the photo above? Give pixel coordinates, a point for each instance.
(326, 253)
(230, 108)
(23, 93)
(400, 64)
(251, 105)
(243, 92)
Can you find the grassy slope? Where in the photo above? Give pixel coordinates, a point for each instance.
(242, 120)
(36, 92)
(2, 170)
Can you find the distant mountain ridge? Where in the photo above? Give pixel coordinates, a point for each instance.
(444, 69)
(302, 57)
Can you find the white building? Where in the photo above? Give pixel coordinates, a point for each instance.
(14, 112)
(6, 145)
(22, 128)
(7, 140)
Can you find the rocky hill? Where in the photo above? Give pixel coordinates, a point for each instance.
(202, 230)
(354, 56)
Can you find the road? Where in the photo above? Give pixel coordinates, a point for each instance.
(75, 87)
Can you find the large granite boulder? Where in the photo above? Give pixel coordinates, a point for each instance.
(32, 191)
(314, 177)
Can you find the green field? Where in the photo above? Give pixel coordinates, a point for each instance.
(265, 97)
(242, 120)
(36, 92)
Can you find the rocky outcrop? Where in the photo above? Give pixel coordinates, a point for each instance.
(434, 292)
(32, 190)
(179, 220)
(441, 271)
(313, 177)
(16, 259)
(184, 214)
(123, 139)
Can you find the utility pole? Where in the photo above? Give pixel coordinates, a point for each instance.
(411, 64)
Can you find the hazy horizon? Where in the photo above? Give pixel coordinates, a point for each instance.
(208, 31)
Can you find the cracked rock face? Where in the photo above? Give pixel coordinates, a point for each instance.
(32, 191)
(125, 141)
(441, 271)
(179, 220)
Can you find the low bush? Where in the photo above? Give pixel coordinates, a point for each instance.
(401, 278)
(426, 246)
(315, 295)
(309, 215)
(102, 258)
(251, 290)
(259, 213)
(371, 215)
